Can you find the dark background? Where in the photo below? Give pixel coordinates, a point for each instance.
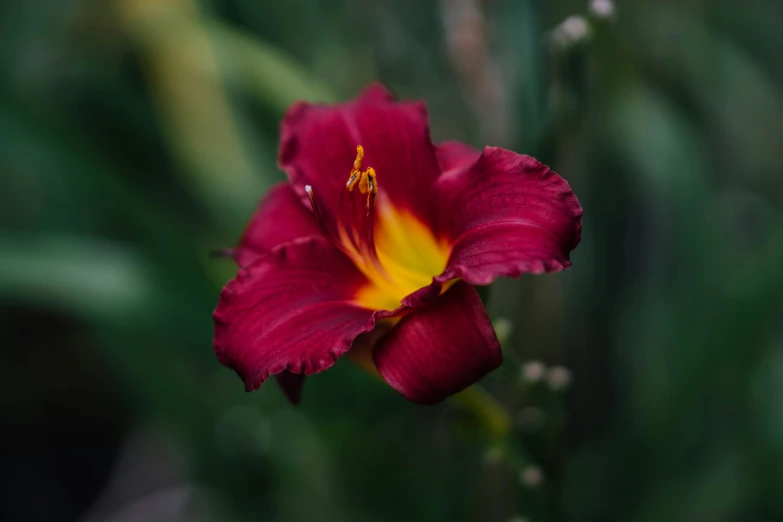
(137, 135)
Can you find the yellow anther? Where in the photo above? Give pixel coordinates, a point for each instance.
(355, 178)
(357, 163)
(372, 182)
(366, 180)
(363, 183)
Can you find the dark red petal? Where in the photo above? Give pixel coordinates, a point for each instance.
(507, 214)
(291, 384)
(280, 217)
(319, 142)
(291, 310)
(439, 349)
(454, 156)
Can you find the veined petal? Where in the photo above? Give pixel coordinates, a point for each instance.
(455, 156)
(280, 217)
(440, 348)
(507, 214)
(319, 143)
(291, 310)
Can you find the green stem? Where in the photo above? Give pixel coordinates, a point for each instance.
(487, 409)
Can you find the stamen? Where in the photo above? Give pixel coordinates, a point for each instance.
(313, 204)
(357, 163)
(371, 182)
(363, 183)
(347, 215)
(356, 177)
(357, 228)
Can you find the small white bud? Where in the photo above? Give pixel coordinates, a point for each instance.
(531, 476)
(533, 371)
(572, 30)
(519, 519)
(575, 28)
(602, 8)
(558, 378)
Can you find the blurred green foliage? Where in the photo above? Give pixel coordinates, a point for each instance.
(137, 135)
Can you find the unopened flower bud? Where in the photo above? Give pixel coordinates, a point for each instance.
(572, 30)
(519, 519)
(533, 371)
(602, 8)
(558, 378)
(531, 476)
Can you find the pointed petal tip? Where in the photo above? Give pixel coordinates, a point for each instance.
(291, 384)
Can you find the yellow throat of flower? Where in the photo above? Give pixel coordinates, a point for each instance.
(393, 248)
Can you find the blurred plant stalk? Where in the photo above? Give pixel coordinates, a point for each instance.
(467, 46)
(184, 77)
(189, 60)
(534, 305)
(493, 417)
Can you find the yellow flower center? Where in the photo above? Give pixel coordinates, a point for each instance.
(410, 255)
(395, 251)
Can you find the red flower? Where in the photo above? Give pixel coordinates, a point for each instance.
(375, 256)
